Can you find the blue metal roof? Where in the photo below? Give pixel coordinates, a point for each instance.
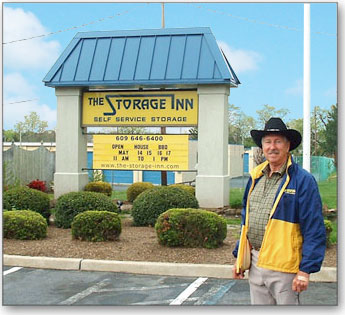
(141, 58)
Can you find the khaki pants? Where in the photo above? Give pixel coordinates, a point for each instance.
(270, 287)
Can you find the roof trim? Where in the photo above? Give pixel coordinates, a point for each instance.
(224, 74)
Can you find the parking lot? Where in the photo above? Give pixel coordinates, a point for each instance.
(30, 286)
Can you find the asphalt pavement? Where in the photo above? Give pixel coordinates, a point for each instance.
(36, 286)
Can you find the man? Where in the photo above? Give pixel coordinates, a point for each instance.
(282, 219)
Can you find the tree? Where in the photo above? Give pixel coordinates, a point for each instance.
(239, 125)
(10, 136)
(329, 146)
(270, 111)
(33, 129)
(32, 123)
(297, 124)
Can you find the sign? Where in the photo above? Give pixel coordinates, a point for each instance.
(141, 152)
(149, 108)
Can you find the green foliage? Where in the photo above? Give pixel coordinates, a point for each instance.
(23, 197)
(100, 187)
(96, 226)
(333, 237)
(191, 228)
(330, 146)
(187, 188)
(329, 229)
(96, 176)
(73, 203)
(136, 189)
(24, 225)
(267, 112)
(151, 203)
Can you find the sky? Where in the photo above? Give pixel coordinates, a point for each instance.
(262, 41)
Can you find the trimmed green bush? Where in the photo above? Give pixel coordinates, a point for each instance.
(73, 203)
(23, 197)
(136, 189)
(96, 226)
(24, 225)
(191, 228)
(151, 203)
(188, 188)
(100, 187)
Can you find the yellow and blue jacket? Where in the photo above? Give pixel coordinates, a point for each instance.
(295, 236)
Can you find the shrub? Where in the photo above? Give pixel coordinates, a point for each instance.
(100, 187)
(151, 203)
(187, 188)
(96, 226)
(191, 228)
(24, 225)
(26, 198)
(329, 229)
(73, 203)
(136, 189)
(38, 185)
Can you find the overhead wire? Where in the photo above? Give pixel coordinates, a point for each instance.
(68, 29)
(259, 22)
(34, 99)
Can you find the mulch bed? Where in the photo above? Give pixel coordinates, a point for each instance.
(134, 244)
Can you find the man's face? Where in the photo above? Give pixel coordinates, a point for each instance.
(275, 148)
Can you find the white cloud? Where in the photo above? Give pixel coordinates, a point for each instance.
(20, 99)
(239, 59)
(16, 86)
(39, 53)
(296, 89)
(13, 113)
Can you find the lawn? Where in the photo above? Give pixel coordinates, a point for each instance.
(328, 192)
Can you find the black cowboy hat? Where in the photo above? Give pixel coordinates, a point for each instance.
(276, 126)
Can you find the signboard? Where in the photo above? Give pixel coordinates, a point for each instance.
(148, 108)
(141, 152)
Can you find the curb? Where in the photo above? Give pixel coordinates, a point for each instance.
(326, 274)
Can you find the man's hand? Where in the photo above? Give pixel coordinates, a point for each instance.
(300, 282)
(237, 275)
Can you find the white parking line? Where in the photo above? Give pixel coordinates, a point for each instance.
(188, 292)
(79, 296)
(14, 269)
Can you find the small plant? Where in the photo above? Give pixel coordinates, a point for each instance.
(96, 226)
(187, 188)
(70, 204)
(38, 185)
(26, 198)
(100, 187)
(329, 229)
(191, 228)
(24, 225)
(136, 189)
(151, 203)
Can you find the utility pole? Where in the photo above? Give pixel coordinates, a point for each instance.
(164, 179)
(163, 21)
(306, 89)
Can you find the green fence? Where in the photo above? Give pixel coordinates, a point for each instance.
(321, 167)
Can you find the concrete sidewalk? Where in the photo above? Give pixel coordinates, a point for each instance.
(326, 274)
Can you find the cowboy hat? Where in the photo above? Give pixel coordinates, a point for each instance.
(276, 126)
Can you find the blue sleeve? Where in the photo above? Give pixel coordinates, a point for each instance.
(243, 214)
(312, 226)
